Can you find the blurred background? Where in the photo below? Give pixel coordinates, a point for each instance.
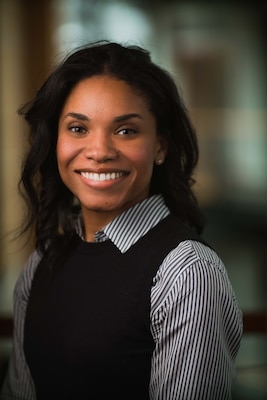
(217, 54)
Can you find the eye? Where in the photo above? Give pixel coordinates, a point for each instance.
(126, 131)
(77, 129)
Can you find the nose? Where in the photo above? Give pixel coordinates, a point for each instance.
(100, 147)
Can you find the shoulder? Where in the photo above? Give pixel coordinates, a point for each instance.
(189, 253)
(189, 266)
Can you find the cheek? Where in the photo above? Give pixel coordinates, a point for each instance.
(65, 151)
(142, 158)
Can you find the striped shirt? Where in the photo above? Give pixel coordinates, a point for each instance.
(195, 319)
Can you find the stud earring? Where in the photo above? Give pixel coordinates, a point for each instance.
(159, 161)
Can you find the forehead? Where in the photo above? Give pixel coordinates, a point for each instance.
(105, 91)
(106, 84)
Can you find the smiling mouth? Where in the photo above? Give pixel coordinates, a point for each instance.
(102, 176)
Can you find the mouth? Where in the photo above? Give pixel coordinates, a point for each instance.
(101, 177)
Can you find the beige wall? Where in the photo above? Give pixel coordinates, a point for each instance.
(25, 56)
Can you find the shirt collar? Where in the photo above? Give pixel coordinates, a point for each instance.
(128, 227)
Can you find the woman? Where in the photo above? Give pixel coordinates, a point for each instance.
(121, 298)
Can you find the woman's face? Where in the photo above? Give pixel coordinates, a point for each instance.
(107, 146)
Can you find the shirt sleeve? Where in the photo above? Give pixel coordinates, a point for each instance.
(18, 384)
(196, 325)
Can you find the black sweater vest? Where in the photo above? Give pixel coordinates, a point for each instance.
(87, 327)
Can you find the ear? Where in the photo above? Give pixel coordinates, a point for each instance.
(161, 150)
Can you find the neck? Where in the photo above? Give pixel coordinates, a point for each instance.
(94, 222)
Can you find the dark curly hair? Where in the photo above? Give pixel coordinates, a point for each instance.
(50, 203)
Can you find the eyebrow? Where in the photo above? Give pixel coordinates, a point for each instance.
(119, 118)
(79, 116)
(125, 117)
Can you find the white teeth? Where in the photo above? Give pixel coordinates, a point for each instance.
(101, 177)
